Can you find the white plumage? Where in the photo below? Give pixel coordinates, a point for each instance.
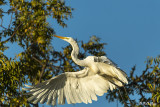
(99, 75)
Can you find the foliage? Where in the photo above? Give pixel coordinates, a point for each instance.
(148, 83)
(12, 78)
(27, 26)
(39, 61)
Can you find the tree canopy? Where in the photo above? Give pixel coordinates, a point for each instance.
(27, 26)
(24, 22)
(39, 61)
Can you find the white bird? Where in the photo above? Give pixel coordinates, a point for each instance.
(99, 75)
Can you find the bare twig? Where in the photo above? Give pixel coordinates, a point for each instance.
(42, 72)
(3, 27)
(10, 20)
(12, 34)
(2, 23)
(43, 67)
(122, 98)
(37, 60)
(128, 97)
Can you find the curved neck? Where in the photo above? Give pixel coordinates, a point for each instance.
(75, 53)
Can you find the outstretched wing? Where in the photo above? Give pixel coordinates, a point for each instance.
(75, 87)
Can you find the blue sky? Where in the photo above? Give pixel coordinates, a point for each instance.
(130, 27)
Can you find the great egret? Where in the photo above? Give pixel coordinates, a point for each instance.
(99, 75)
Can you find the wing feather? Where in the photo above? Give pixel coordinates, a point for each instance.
(85, 93)
(74, 92)
(96, 85)
(42, 93)
(82, 93)
(91, 91)
(61, 98)
(78, 96)
(70, 91)
(44, 97)
(53, 92)
(32, 98)
(40, 98)
(54, 98)
(50, 97)
(67, 92)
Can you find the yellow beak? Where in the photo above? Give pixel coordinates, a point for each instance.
(60, 37)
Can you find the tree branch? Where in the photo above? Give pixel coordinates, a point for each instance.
(10, 20)
(11, 35)
(42, 72)
(122, 98)
(37, 60)
(43, 68)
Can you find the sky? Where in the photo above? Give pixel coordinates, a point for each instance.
(129, 27)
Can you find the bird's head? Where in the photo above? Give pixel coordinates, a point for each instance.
(68, 39)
